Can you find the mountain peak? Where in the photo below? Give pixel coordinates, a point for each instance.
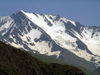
(35, 16)
(21, 11)
(52, 35)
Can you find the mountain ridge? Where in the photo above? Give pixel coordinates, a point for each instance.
(53, 36)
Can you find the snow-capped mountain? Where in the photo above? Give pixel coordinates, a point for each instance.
(53, 36)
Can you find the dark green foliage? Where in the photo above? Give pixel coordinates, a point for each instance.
(17, 62)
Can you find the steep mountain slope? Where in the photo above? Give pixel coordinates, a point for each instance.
(53, 36)
(17, 62)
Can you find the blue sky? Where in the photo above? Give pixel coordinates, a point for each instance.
(87, 12)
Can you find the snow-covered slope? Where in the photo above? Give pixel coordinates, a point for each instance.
(54, 36)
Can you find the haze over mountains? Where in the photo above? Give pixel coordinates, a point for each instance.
(54, 36)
